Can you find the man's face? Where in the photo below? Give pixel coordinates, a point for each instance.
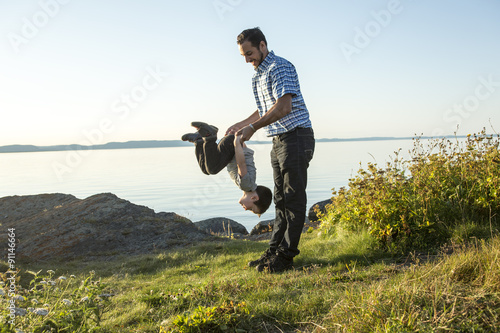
(252, 54)
(247, 202)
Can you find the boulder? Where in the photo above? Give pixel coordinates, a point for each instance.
(221, 226)
(48, 226)
(321, 205)
(262, 227)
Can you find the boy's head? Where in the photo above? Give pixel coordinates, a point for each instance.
(257, 201)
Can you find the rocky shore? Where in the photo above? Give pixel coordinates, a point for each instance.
(103, 226)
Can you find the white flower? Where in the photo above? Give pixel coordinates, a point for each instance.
(67, 302)
(18, 298)
(20, 312)
(72, 276)
(2, 292)
(52, 283)
(62, 278)
(51, 272)
(34, 301)
(43, 282)
(41, 311)
(85, 299)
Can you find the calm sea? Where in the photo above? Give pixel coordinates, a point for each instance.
(169, 179)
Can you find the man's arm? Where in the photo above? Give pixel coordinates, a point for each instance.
(236, 127)
(240, 156)
(281, 108)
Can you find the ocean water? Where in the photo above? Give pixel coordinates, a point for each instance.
(169, 179)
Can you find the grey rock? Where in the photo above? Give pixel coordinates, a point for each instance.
(221, 226)
(61, 226)
(321, 205)
(262, 227)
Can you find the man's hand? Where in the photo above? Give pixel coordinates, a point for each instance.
(246, 133)
(233, 129)
(238, 126)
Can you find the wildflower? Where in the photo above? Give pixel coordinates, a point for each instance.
(72, 276)
(62, 278)
(85, 299)
(34, 301)
(20, 312)
(41, 311)
(2, 292)
(18, 298)
(52, 283)
(43, 282)
(67, 302)
(51, 272)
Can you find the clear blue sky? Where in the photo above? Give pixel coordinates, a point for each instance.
(80, 71)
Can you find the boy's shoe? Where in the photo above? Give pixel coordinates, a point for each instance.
(205, 130)
(278, 263)
(264, 258)
(191, 137)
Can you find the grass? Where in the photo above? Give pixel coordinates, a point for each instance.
(341, 284)
(357, 273)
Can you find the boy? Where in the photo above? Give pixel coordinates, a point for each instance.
(230, 152)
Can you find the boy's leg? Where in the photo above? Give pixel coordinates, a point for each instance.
(213, 157)
(200, 155)
(217, 156)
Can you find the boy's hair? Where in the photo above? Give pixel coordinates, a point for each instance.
(265, 198)
(254, 36)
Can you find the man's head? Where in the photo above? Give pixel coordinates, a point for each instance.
(253, 46)
(257, 201)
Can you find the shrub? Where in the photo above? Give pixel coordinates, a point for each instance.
(210, 319)
(418, 202)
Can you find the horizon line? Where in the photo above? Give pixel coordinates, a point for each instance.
(138, 144)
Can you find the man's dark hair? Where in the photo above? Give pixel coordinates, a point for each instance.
(265, 198)
(254, 36)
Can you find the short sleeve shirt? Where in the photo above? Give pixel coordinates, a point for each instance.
(274, 78)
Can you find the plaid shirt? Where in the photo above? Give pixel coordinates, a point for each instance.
(274, 78)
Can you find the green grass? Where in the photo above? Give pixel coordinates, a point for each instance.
(341, 284)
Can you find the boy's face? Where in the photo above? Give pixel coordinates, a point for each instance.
(247, 201)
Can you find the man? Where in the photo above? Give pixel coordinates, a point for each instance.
(282, 112)
(230, 152)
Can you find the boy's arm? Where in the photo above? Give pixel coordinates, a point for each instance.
(240, 156)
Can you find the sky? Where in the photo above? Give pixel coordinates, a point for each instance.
(92, 72)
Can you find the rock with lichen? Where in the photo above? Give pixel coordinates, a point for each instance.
(62, 226)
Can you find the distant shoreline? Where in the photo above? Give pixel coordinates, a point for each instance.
(171, 143)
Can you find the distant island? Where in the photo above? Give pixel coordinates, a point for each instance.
(165, 144)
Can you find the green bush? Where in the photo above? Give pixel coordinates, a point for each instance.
(211, 319)
(419, 202)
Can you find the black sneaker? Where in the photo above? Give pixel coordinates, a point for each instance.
(264, 258)
(278, 263)
(191, 137)
(205, 130)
